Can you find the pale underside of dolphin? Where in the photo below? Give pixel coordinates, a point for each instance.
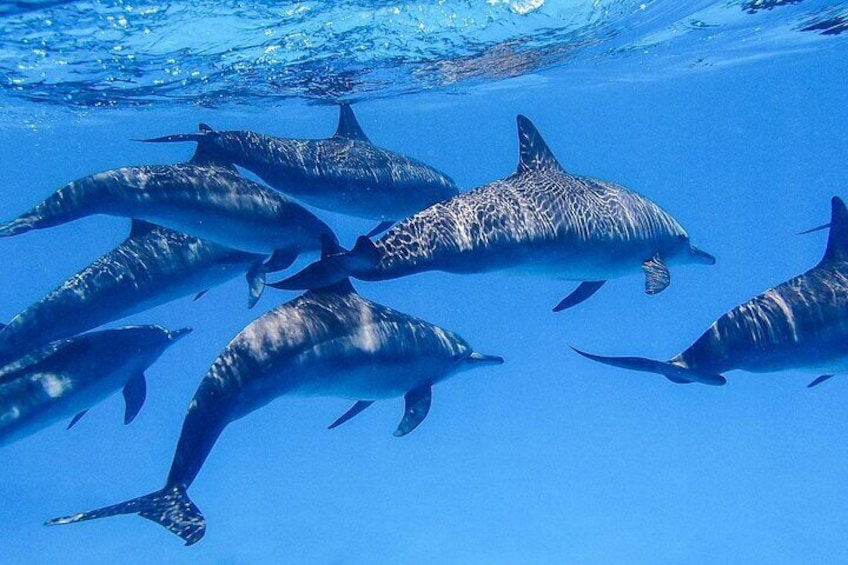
(328, 342)
(540, 219)
(205, 198)
(69, 376)
(799, 324)
(154, 265)
(345, 173)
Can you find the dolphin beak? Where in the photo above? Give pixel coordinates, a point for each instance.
(481, 360)
(176, 335)
(701, 256)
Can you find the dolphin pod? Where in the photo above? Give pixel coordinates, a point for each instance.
(67, 377)
(328, 342)
(345, 173)
(154, 265)
(801, 323)
(331, 341)
(540, 219)
(203, 198)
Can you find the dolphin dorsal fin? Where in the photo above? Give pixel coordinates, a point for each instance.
(348, 126)
(141, 228)
(533, 152)
(204, 128)
(837, 241)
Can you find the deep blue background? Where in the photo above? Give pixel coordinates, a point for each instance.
(547, 459)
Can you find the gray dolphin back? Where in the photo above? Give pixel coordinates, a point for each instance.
(344, 173)
(154, 265)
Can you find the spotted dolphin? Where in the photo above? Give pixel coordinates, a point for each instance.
(345, 173)
(540, 219)
(69, 376)
(328, 342)
(204, 197)
(154, 265)
(799, 324)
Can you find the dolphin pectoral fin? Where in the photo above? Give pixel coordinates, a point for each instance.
(674, 373)
(353, 411)
(280, 260)
(380, 228)
(417, 407)
(76, 419)
(820, 380)
(170, 507)
(135, 391)
(581, 293)
(657, 277)
(255, 283)
(199, 295)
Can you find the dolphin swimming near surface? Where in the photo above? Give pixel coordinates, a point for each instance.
(69, 376)
(154, 265)
(801, 323)
(345, 173)
(205, 197)
(540, 219)
(327, 342)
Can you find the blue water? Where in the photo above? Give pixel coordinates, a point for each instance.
(547, 459)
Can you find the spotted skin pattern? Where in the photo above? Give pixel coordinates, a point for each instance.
(543, 219)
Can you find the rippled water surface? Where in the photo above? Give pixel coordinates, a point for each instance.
(224, 54)
(731, 115)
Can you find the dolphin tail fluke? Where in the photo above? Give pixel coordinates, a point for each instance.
(673, 372)
(335, 265)
(170, 507)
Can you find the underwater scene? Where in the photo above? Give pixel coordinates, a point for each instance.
(502, 282)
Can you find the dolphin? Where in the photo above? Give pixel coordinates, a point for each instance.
(801, 323)
(327, 342)
(69, 376)
(540, 219)
(205, 197)
(154, 265)
(345, 173)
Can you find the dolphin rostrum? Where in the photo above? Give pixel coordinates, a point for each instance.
(69, 376)
(345, 173)
(540, 219)
(204, 197)
(328, 342)
(154, 265)
(801, 323)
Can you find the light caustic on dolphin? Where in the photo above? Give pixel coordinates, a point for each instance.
(328, 342)
(799, 324)
(345, 173)
(154, 265)
(540, 219)
(205, 197)
(69, 376)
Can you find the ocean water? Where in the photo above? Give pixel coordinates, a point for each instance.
(731, 115)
